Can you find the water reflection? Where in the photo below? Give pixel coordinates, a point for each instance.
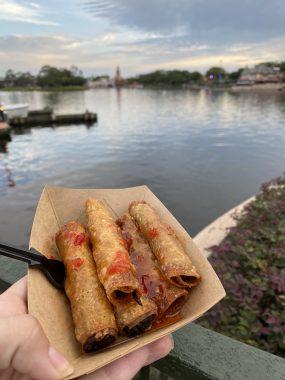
(200, 151)
(7, 173)
(4, 144)
(22, 131)
(51, 99)
(119, 98)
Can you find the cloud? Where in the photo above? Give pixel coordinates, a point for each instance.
(192, 34)
(27, 12)
(143, 35)
(34, 5)
(104, 52)
(204, 21)
(33, 44)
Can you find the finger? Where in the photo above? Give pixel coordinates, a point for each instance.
(159, 349)
(7, 374)
(19, 289)
(25, 348)
(13, 375)
(125, 368)
(14, 300)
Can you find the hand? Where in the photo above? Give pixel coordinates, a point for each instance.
(25, 352)
(126, 367)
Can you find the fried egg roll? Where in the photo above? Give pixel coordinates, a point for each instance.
(172, 258)
(115, 270)
(133, 319)
(168, 298)
(92, 313)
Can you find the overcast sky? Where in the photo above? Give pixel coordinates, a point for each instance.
(140, 35)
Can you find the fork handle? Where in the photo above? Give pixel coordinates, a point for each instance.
(30, 258)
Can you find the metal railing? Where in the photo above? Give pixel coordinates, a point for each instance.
(3, 285)
(201, 354)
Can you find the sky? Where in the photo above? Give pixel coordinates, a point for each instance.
(140, 35)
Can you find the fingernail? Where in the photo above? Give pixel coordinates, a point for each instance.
(60, 363)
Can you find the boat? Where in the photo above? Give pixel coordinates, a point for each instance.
(17, 110)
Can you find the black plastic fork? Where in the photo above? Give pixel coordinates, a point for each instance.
(53, 269)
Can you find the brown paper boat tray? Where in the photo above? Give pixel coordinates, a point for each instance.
(50, 306)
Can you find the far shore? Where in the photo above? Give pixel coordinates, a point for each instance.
(48, 89)
(262, 87)
(270, 87)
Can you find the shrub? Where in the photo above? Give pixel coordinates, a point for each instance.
(250, 262)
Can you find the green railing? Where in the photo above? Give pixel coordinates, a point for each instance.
(201, 354)
(3, 285)
(204, 354)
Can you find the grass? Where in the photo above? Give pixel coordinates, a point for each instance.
(250, 262)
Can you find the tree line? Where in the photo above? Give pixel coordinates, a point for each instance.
(183, 77)
(53, 77)
(168, 78)
(178, 78)
(48, 77)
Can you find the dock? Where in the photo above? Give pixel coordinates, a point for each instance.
(47, 116)
(4, 129)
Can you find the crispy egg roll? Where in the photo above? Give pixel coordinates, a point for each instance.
(115, 270)
(133, 319)
(172, 258)
(92, 313)
(168, 298)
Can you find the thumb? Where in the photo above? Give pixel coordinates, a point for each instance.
(25, 348)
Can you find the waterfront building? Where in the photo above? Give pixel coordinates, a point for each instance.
(260, 74)
(103, 81)
(119, 81)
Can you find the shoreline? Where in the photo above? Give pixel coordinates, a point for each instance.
(51, 89)
(215, 232)
(262, 87)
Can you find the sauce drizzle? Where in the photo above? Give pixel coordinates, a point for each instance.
(79, 239)
(120, 264)
(77, 262)
(166, 321)
(153, 233)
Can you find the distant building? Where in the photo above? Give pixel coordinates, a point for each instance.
(260, 74)
(119, 81)
(103, 81)
(135, 84)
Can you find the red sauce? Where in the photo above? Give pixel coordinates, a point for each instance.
(153, 233)
(79, 239)
(76, 238)
(151, 282)
(128, 239)
(151, 286)
(124, 243)
(166, 321)
(145, 283)
(77, 262)
(120, 264)
(139, 258)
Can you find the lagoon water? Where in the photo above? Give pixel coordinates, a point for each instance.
(201, 152)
